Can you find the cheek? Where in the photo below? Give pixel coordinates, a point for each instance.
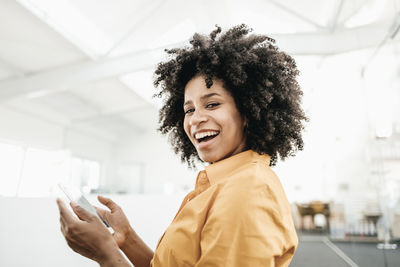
(238, 128)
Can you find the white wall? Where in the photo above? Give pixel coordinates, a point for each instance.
(28, 129)
(163, 170)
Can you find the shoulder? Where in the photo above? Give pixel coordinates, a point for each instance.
(251, 177)
(253, 186)
(252, 199)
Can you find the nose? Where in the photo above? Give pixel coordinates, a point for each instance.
(197, 117)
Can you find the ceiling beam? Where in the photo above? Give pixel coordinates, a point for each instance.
(296, 14)
(330, 43)
(335, 15)
(148, 10)
(351, 8)
(109, 113)
(322, 43)
(66, 77)
(390, 35)
(9, 67)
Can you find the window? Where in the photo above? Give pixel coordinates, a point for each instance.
(42, 171)
(31, 172)
(85, 174)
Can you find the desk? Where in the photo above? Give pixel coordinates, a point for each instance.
(311, 209)
(373, 217)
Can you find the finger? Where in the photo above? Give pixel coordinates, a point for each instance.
(103, 213)
(64, 212)
(108, 202)
(83, 214)
(72, 204)
(62, 226)
(62, 222)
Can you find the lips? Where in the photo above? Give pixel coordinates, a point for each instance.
(205, 135)
(205, 142)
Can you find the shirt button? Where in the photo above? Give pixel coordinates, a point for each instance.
(202, 181)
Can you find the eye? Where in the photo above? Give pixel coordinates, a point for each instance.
(212, 105)
(190, 110)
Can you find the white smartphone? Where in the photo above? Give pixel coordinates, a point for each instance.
(76, 195)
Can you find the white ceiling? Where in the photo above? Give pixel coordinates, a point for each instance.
(90, 62)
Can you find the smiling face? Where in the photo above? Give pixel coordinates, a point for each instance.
(212, 122)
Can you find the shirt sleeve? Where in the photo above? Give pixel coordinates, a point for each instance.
(244, 227)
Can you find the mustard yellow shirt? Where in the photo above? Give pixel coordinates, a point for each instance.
(237, 216)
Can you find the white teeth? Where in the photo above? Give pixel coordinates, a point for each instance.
(204, 134)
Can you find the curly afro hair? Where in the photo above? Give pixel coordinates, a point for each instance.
(261, 79)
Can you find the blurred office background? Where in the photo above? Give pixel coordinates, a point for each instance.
(76, 107)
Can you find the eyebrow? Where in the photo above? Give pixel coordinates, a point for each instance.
(202, 98)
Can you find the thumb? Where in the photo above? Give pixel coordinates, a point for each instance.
(108, 202)
(103, 213)
(82, 214)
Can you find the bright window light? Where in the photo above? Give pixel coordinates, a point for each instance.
(382, 111)
(29, 172)
(11, 158)
(380, 79)
(42, 171)
(383, 128)
(130, 179)
(66, 19)
(85, 174)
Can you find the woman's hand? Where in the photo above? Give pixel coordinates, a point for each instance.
(117, 220)
(128, 241)
(88, 236)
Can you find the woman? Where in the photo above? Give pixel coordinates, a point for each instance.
(232, 100)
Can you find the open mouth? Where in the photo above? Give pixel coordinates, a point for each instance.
(204, 137)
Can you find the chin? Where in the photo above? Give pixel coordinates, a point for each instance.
(209, 157)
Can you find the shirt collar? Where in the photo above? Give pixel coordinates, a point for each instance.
(219, 171)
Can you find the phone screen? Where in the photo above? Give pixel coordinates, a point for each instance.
(76, 195)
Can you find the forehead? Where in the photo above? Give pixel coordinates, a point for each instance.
(196, 88)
